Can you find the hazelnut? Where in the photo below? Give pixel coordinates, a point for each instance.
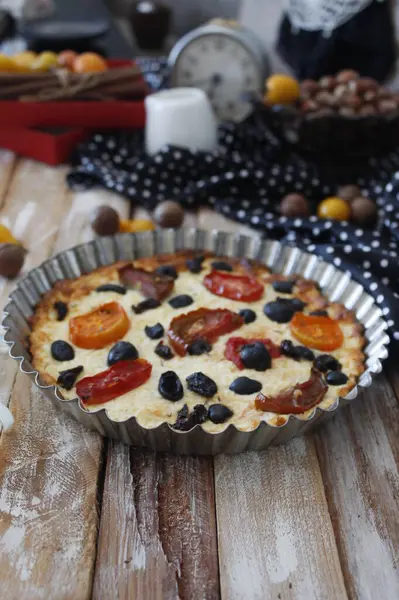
(309, 106)
(169, 214)
(369, 96)
(351, 100)
(105, 220)
(12, 258)
(360, 86)
(309, 88)
(294, 205)
(364, 211)
(347, 75)
(341, 91)
(327, 82)
(367, 110)
(387, 105)
(348, 192)
(346, 111)
(325, 99)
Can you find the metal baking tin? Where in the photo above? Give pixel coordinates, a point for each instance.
(337, 286)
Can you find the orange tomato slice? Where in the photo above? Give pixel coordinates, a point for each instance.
(100, 327)
(321, 333)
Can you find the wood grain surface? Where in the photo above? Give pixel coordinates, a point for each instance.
(84, 518)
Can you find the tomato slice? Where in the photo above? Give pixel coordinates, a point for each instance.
(243, 288)
(296, 399)
(151, 285)
(234, 345)
(203, 323)
(100, 327)
(122, 377)
(321, 333)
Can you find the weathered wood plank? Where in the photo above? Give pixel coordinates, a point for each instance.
(359, 458)
(7, 166)
(49, 464)
(275, 534)
(158, 534)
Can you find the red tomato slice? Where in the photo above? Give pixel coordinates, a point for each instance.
(234, 345)
(203, 323)
(243, 288)
(122, 377)
(297, 399)
(100, 327)
(151, 284)
(321, 333)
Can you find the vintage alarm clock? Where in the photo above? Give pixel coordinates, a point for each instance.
(224, 59)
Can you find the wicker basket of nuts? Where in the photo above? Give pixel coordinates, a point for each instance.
(341, 115)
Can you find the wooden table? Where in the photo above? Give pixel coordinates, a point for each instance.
(84, 517)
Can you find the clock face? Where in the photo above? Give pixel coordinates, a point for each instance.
(224, 68)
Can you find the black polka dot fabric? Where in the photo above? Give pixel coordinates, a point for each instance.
(244, 179)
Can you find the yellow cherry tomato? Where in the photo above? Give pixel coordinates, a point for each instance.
(334, 208)
(44, 61)
(6, 236)
(7, 64)
(24, 61)
(281, 89)
(89, 62)
(135, 225)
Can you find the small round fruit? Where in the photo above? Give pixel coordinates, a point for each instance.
(348, 192)
(169, 214)
(66, 59)
(6, 236)
(294, 205)
(364, 211)
(24, 60)
(281, 89)
(11, 259)
(89, 62)
(44, 61)
(7, 64)
(105, 220)
(334, 208)
(135, 225)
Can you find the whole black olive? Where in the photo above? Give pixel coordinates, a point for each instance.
(284, 287)
(256, 356)
(170, 386)
(248, 315)
(61, 309)
(198, 347)
(67, 379)
(168, 270)
(245, 386)
(186, 421)
(305, 353)
(220, 265)
(201, 384)
(336, 378)
(219, 413)
(326, 362)
(111, 287)
(62, 351)
(181, 301)
(154, 332)
(194, 264)
(163, 351)
(283, 309)
(288, 349)
(122, 351)
(145, 305)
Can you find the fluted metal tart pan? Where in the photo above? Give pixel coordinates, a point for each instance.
(336, 285)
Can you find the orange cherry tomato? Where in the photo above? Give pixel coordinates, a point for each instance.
(334, 208)
(89, 62)
(66, 59)
(321, 333)
(100, 327)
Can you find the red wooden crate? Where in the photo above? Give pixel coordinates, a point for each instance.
(89, 114)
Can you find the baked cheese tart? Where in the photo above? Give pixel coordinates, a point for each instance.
(192, 338)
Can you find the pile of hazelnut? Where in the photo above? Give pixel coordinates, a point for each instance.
(347, 205)
(346, 94)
